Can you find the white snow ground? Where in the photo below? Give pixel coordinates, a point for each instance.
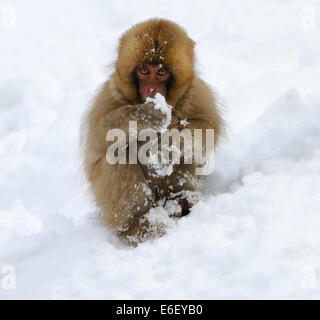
(257, 233)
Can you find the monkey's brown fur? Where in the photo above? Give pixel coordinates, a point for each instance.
(122, 192)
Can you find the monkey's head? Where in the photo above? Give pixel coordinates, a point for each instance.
(155, 56)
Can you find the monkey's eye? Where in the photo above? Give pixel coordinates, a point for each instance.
(162, 72)
(144, 70)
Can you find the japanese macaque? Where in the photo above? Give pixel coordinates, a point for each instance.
(155, 57)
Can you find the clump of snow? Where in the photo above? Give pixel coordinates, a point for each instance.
(158, 168)
(172, 206)
(161, 104)
(184, 122)
(158, 217)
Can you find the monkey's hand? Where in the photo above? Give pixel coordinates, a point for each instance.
(147, 116)
(185, 208)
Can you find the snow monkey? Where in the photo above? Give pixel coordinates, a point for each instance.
(155, 58)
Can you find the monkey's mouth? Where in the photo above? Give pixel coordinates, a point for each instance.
(152, 93)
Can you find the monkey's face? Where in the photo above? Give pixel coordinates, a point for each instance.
(152, 79)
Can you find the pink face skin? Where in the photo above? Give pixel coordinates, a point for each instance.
(152, 79)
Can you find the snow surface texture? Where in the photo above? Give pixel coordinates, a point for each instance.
(256, 232)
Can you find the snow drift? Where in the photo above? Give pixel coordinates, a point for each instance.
(255, 236)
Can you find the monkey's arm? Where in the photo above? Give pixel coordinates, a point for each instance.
(192, 125)
(199, 110)
(122, 191)
(101, 121)
(146, 116)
